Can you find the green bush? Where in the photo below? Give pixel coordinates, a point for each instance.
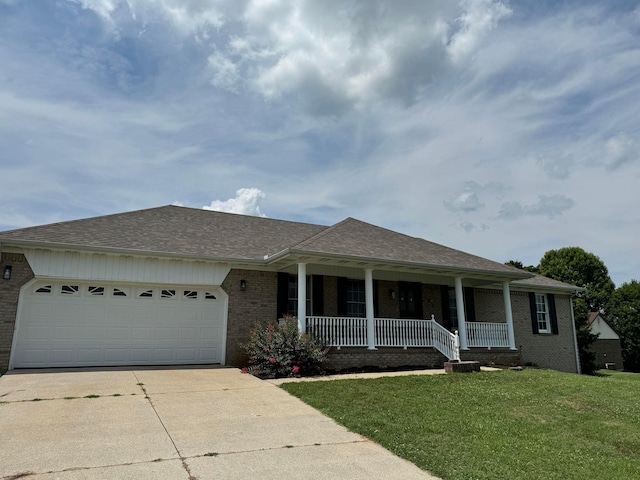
(280, 350)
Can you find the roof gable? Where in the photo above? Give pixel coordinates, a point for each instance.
(354, 238)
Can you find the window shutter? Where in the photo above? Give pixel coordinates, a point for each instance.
(318, 294)
(342, 296)
(444, 300)
(534, 312)
(375, 298)
(551, 301)
(283, 294)
(469, 305)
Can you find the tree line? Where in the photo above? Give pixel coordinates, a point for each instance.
(620, 306)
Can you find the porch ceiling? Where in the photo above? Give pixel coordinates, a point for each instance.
(333, 265)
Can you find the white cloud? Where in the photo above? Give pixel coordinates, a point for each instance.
(246, 202)
(464, 202)
(548, 205)
(620, 150)
(477, 20)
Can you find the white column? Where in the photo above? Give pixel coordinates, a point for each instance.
(462, 323)
(368, 296)
(302, 297)
(506, 293)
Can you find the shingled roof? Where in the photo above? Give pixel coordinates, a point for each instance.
(173, 230)
(197, 233)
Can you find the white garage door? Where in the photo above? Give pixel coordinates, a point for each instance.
(97, 324)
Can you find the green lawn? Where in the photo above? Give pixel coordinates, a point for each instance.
(533, 424)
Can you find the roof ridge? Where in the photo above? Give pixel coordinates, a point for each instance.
(321, 234)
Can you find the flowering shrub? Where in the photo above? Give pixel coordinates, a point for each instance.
(280, 350)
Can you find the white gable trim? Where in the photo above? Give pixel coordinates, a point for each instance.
(603, 328)
(124, 268)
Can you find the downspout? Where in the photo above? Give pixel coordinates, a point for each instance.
(575, 337)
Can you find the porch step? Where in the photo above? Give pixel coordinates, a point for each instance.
(462, 366)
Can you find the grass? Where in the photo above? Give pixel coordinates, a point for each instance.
(532, 424)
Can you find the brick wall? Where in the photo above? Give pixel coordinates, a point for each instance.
(608, 351)
(384, 357)
(257, 303)
(388, 307)
(544, 349)
(432, 302)
(495, 356)
(330, 296)
(21, 273)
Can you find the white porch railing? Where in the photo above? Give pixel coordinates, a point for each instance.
(389, 332)
(339, 331)
(485, 334)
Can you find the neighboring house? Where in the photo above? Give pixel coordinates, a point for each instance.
(175, 285)
(607, 347)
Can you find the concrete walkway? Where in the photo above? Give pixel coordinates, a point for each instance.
(192, 423)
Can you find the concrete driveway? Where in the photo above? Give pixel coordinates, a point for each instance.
(192, 423)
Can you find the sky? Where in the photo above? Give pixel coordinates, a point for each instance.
(501, 128)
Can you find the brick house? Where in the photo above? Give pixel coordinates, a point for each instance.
(175, 285)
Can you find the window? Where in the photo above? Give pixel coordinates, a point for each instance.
(209, 296)
(145, 294)
(167, 294)
(190, 294)
(453, 309)
(542, 314)
(356, 302)
(69, 289)
(95, 291)
(44, 289)
(292, 295)
(117, 292)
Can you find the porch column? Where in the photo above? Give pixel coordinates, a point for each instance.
(368, 296)
(462, 323)
(509, 315)
(302, 297)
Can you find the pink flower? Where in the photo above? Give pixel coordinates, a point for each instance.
(244, 370)
(272, 360)
(271, 328)
(296, 369)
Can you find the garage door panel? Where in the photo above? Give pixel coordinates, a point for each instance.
(93, 326)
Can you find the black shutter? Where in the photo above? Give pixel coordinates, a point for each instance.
(551, 300)
(318, 294)
(342, 296)
(444, 300)
(283, 294)
(469, 305)
(534, 312)
(375, 298)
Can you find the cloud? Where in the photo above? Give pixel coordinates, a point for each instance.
(548, 205)
(620, 150)
(246, 202)
(477, 20)
(464, 202)
(557, 166)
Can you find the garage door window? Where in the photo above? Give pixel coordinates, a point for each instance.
(209, 296)
(168, 294)
(95, 291)
(118, 292)
(44, 289)
(145, 293)
(190, 294)
(69, 290)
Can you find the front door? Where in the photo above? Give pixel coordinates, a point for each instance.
(410, 299)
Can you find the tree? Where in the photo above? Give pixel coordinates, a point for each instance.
(519, 264)
(575, 266)
(623, 310)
